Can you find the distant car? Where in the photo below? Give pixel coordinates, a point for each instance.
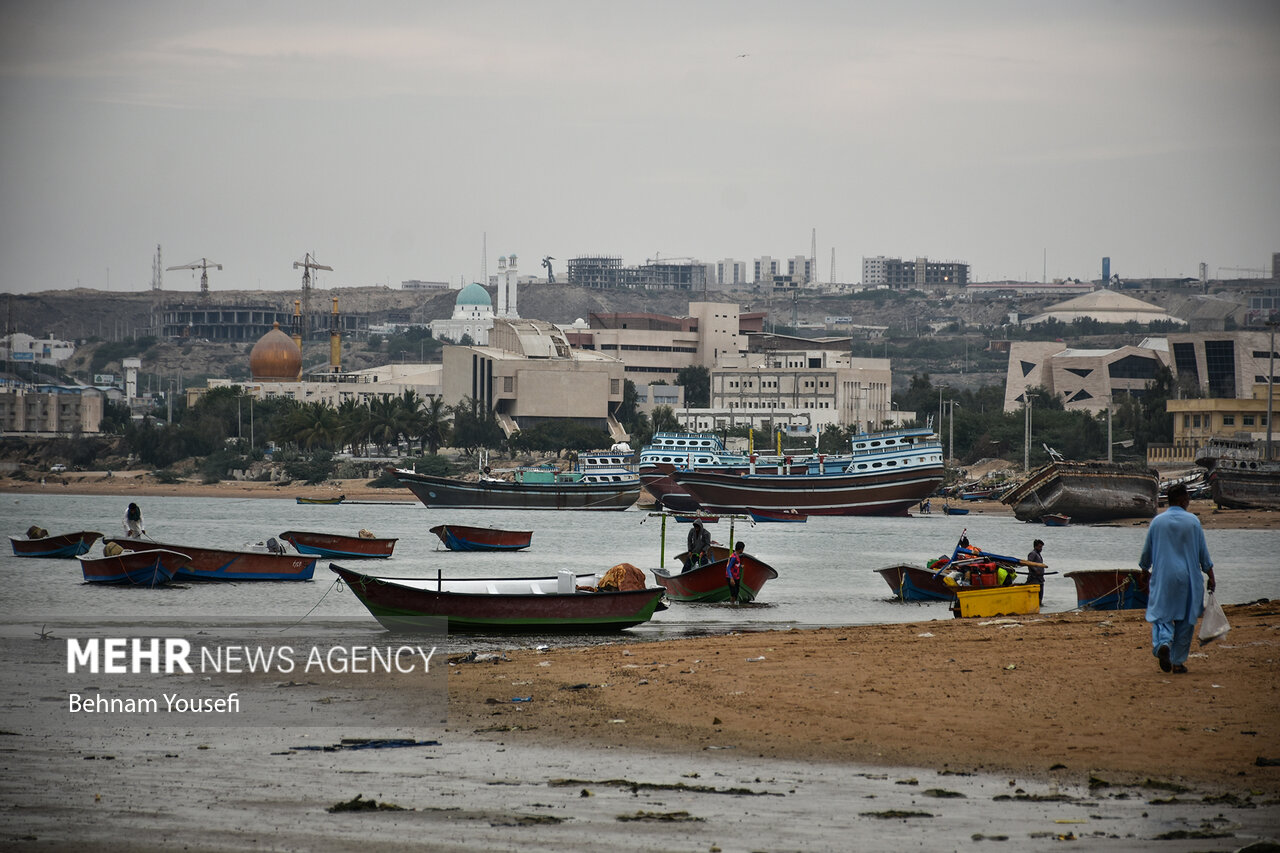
(58, 469)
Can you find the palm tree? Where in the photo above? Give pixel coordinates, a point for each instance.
(353, 420)
(435, 424)
(384, 424)
(316, 426)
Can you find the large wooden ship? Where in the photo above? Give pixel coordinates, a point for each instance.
(1086, 492)
(1240, 476)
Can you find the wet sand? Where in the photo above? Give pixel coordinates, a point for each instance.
(927, 736)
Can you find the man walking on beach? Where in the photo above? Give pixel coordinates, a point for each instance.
(1173, 557)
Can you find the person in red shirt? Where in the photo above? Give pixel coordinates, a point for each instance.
(733, 572)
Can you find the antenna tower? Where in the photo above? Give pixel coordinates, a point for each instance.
(833, 265)
(157, 271)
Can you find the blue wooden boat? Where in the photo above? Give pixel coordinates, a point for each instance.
(955, 510)
(1109, 589)
(139, 568)
(1056, 520)
(220, 564)
(459, 537)
(61, 545)
(914, 583)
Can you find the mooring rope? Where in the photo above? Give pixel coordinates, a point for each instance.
(336, 582)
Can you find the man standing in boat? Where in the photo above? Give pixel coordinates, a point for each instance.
(1035, 566)
(699, 545)
(133, 522)
(1173, 558)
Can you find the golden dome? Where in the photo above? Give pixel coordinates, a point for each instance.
(275, 357)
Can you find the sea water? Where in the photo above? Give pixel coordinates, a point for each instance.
(826, 566)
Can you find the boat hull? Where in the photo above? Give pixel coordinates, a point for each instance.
(215, 564)
(913, 583)
(768, 515)
(889, 493)
(61, 545)
(1109, 589)
(1086, 492)
(323, 501)
(708, 583)
(337, 545)
(1016, 600)
(451, 493)
(1245, 484)
(458, 537)
(408, 609)
(136, 568)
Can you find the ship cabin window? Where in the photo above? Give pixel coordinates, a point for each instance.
(862, 466)
(876, 464)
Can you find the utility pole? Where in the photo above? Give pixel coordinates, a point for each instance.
(1271, 377)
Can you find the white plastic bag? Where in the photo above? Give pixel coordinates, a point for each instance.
(1214, 623)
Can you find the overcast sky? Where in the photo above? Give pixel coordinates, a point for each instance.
(389, 138)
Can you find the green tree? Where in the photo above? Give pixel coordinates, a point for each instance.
(696, 380)
(665, 420)
(475, 427)
(435, 424)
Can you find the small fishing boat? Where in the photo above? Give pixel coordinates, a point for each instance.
(1056, 520)
(60, 545)
(707, 583)
(499, 605)
(1015, 600)
(1109, 589)
(326, 501)
(784, 515)
(955, 510)
(139, 568)
(915, 583)
(459, 537)
(691, 517)
(220, 564)
(339, 545)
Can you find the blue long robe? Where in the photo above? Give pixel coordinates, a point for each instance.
(1175, 547)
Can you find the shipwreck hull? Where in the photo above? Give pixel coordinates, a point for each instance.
(1086, 492)
(1239, 486)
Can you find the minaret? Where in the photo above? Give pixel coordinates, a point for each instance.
(297, 330)
(511, 288)
(502, 286)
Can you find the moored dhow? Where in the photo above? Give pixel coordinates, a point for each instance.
(1086, 492)
(599, 481)
(889, 472)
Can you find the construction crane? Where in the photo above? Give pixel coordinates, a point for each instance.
(308, 263)
(203, 265)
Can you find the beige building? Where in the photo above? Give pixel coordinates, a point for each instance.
(1104, 306)
(656, 347)
(334, 389)
(50, 410)
(1083, 379)
(529, 374)
(815, 388)
(1230, 370)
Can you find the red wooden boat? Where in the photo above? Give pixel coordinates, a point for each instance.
(338, 545)
(788, 515)
(61, 545)
(458, 537)
(140, 568)
(1110, 589)
(499, 605)
(219, 564)
(914, 583)
(707, 583)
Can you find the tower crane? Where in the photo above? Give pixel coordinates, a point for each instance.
(308, 263)
(203, 265)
